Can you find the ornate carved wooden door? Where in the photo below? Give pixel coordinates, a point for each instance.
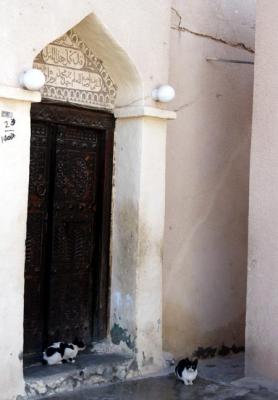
(67, 245)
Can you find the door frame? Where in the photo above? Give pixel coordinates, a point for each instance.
(60, 113)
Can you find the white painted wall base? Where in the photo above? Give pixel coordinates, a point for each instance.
(138, 227)
(14, 173)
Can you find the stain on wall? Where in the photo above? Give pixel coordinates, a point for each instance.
(119, 334)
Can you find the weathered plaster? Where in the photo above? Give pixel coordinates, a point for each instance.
(205, 243)
(118, 335)
(89, 370)
(232, 22)
(138, 223)
(179, 27)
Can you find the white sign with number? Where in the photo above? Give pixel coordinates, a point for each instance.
(7, 127)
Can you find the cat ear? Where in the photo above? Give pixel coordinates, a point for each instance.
(79, 343)
(195, 362)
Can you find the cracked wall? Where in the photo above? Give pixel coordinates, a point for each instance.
(205, 252)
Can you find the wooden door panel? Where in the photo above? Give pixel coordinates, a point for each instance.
(36, 238)
(68, 226)
(74, 207)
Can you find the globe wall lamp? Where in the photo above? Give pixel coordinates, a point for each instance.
(163, 93)
(32, 79)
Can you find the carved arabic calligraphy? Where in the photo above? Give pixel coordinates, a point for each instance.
(63, 56)
(74, 74)
(72, 79)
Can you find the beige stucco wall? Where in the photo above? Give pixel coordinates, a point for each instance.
(262, 294)
(207, 171)
(136, 33)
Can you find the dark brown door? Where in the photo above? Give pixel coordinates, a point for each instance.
(67, 245)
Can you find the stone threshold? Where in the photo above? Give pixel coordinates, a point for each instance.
(90, 369)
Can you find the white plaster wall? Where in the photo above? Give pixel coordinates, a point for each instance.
(151, 225)
(137, 236)
(205, 251)
(126, 192)
(262, 294)
(14, 172)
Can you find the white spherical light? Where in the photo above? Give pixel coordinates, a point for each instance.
(33, 79)
(164, 93)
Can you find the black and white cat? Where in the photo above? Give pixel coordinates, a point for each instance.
(62, 352)
(186, 371)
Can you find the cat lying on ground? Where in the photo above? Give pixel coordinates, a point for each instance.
(62, 352)
(186, 371)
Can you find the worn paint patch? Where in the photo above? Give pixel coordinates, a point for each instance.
(210, 352)
(147, 361)
(225, 350)
(205, 352)
(119, 334)
(134, 365)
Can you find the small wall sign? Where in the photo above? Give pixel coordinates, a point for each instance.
(7, 127)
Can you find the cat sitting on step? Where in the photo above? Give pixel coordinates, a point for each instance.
(186, 371)
(62, 352)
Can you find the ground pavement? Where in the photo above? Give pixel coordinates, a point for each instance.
(219, 379)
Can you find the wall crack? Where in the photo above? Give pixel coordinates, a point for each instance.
(180, 28)
(185, 105)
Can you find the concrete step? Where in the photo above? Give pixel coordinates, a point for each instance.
(90, 369)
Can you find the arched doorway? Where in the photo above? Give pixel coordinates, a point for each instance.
(64, 299)
(69, 204)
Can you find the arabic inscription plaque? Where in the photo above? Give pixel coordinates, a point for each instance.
(74, 74)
